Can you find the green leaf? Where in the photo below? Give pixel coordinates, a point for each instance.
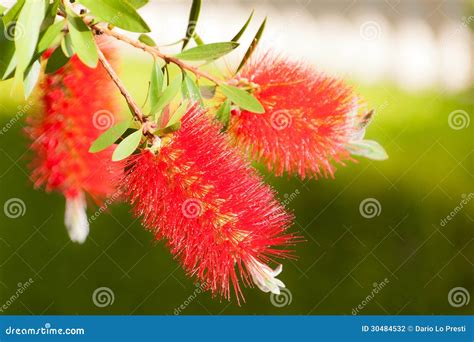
(13, 12)
(82, 39)
(50, 15)
(27, 32)
(242, 30)
(242, 98)
(119, 13)
(146, 39)
(2, 9)
(178, 114)
(223, 114)
(31, 78)
(66, 45)
(127, 146)
(367, 148)
(138, 3)
(197, 39)
(50, 36)
(7, 53)
(207, 51)
(156, 84)
(253, 45)
(190, 90)
(57, 60)
(168, 95)
(110, 136)
(208, 91)
(192, 21)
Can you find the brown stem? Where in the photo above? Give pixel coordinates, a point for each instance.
(154, 52)
(113, 75)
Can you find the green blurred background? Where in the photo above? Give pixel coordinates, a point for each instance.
(344, 256)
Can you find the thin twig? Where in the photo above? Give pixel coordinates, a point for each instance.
(113, 75)
(154, 52)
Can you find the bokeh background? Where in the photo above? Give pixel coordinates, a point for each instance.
(411, 60)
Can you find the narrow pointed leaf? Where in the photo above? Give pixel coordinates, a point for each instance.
(66, 45)
(168, 95)
(223, 114)
(31, 78)
(192, 21)
(156, 84)
(110, 136)
(253, 45)
(190, 90)
(127, 146)
(51, 35)
(138, 3)
(178, 114)
(7, 52)
(242, 30)
(207, 52)
(13, 12)
(197, 39)
(146, 39)
(242, 99)
(119, 13)
(367, 148)
(82, 40)
(27, 30)
(57, 60)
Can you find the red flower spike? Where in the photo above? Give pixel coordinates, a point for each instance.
(308, 119)
(78, 105)
(218, 217)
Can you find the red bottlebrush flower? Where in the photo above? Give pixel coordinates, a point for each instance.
(308, 119)
(218, 217)
(78, 105)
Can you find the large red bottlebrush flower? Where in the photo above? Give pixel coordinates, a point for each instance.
(218, 217)
(78, 105)
(308, 119)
